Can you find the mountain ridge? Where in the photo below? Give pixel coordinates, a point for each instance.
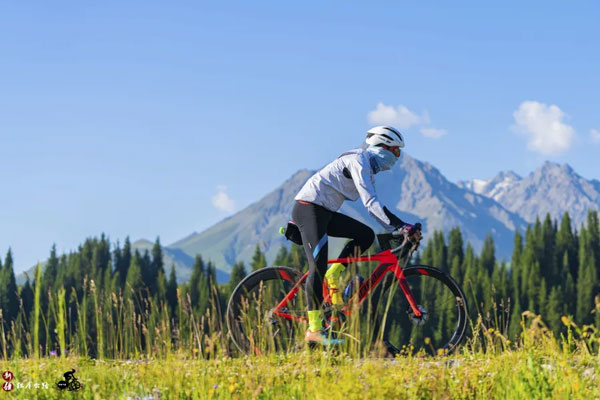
(551, 188)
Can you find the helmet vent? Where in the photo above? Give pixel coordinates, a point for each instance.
(394, 131)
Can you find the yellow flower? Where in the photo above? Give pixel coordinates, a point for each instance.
(565, 320)
(427, 340)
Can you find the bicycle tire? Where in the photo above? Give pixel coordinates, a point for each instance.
(244, 334)
(444, 326)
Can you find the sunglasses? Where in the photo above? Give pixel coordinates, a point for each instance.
(394, 149)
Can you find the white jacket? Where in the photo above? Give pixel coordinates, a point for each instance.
(331, 186)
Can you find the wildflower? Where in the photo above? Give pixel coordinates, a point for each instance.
(215, 386)
(427, 340)
(53, 353)
(565, 320)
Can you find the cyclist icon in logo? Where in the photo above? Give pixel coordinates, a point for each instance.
(71, 383)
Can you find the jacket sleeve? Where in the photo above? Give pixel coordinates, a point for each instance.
(363, 180)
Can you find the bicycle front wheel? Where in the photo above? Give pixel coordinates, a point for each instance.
(443, 305)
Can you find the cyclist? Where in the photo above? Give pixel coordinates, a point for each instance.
(348, 177)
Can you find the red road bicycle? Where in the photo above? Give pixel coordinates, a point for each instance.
(267, 310)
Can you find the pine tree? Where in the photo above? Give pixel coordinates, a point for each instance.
(156, 265)
(587, 279)
(50, 272)
(455, 245)
(211, 273)
(281, 259)
(100, 260)
(427, 256)
(469, 266)
(530, 267)
(514, 327)
(147, 274)
(26, 295)
(197, 281)
(542, 298)
(593, 226)
(134, 282)
(123, 266)
(258, 259)
(532, 292)
(538, 240)
(488, 256)
(569, 290)
(297, 258)
(515, 269)
(566, 243)
(161, 287)
(9, 296)
(456, 270)
(107, 279)
(171, 294)
(554, 310)
(440, 251)
(238, 272)
(548, 261)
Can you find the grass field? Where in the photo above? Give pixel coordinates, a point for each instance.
(487, 366)
(520, 374)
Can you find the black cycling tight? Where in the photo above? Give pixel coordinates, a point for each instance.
(316, 223)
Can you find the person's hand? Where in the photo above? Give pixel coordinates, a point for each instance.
(412, 232)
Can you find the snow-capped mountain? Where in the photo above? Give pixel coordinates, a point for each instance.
(495, 187)
(552, 188)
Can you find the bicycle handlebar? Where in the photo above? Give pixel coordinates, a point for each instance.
(385, 238)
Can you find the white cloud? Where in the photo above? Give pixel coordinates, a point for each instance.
(544, 127)
(400, 117)
(433, 132)
(403, 118)
(595, 135)
(222, 201)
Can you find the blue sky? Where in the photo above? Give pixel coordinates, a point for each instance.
(136, 118)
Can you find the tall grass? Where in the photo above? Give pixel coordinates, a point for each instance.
(536, 366)
(60, 322)
(37, 311)
(119, 326)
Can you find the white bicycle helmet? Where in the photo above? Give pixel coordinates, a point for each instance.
(385, 135)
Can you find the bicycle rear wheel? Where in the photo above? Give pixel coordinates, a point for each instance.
(443, 305)
(253, 326)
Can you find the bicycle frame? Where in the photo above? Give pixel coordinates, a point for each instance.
(388, 262)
